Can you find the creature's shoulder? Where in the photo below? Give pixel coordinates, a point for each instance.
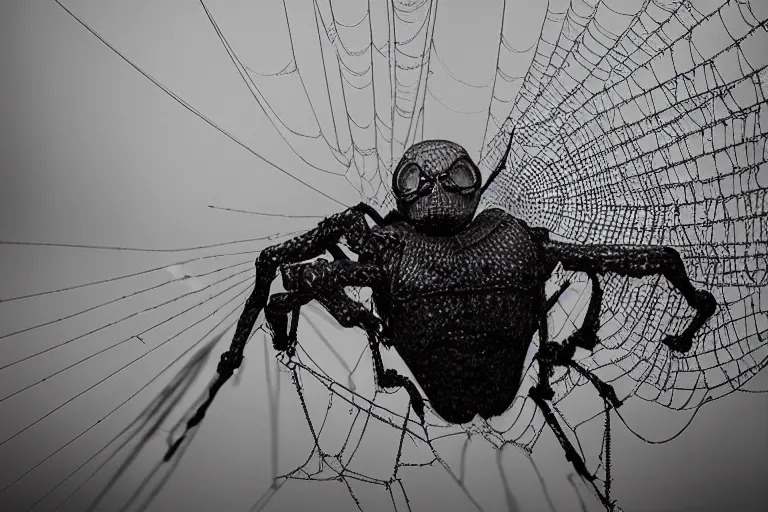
(497, 221)
(397, 231)
(538, 234)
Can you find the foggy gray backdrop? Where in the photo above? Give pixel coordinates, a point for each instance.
(93, 153)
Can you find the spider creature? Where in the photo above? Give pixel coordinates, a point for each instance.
(459, 296)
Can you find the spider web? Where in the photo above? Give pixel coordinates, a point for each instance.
(652, 132)
(633, 124)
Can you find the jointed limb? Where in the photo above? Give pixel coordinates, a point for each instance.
(548, 356)
(552, 354)
(325, 281)
(601, 259)
(349, 224)
(639, 262)
(350, 313)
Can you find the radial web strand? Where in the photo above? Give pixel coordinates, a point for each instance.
(636, 123)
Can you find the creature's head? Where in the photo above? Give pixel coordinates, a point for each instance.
(437, 186)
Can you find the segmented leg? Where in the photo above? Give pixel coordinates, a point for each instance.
(350, 313)
(276, 312)
(571, 455)
(639, 262)
(349, 224)
(553, 354)
(324, 281)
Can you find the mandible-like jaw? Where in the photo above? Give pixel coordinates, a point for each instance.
(439, 207)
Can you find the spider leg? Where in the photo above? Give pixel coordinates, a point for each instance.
(571, 455)
(350, 313)
(553, 354)
(586, 336)
(284, 336)
(595, 260)
(350, 224)
(324, 281)
(542, 392)
(280, 304)
(639, 262)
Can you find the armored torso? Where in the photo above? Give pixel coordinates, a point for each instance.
(462, 305)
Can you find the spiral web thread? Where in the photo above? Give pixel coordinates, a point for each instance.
(655, 135)
(632, 127)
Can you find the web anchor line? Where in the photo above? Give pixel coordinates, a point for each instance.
(650, 131)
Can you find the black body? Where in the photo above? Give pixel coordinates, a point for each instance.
(460, 296)
(461, 310)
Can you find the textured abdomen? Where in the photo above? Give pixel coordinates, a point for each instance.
(465, 350)
(463, 310)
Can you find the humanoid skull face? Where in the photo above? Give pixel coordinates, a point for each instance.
(437, 186)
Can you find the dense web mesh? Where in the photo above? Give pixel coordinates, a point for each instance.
(634, 123)
(650, 133)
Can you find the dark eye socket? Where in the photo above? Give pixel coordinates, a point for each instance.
(462, 175)
(408, 179)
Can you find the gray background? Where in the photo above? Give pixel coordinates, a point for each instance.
(93, 153)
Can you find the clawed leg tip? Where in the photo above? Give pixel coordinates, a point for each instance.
(707, 303)
(586, 338)
(679, 344)
(537, 392)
